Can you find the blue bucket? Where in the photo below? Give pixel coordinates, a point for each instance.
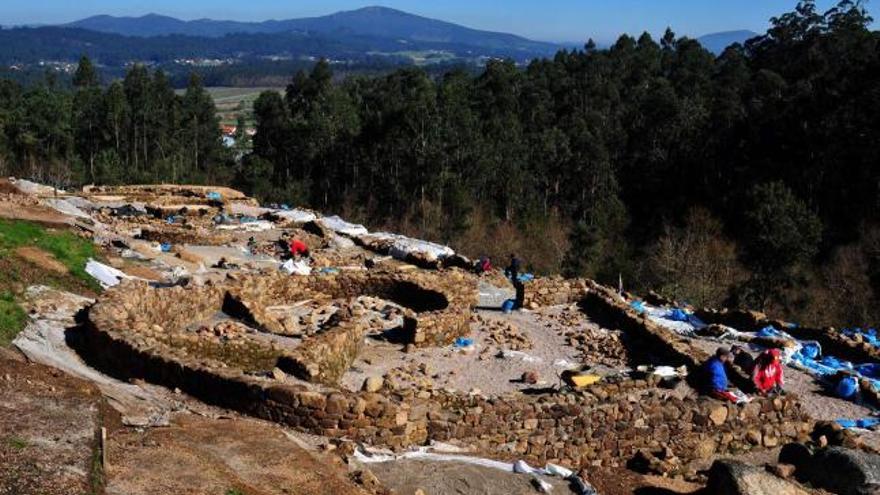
(508, 305)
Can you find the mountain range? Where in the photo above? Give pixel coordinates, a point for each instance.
(371, 37)
(380, 22)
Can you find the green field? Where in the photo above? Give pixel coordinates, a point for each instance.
(232, 102)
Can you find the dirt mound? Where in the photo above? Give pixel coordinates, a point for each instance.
(41, 259)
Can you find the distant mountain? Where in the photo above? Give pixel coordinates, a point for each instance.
(717, 42)
(379, 22)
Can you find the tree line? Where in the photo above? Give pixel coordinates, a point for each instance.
(748, 179)
(133, 130)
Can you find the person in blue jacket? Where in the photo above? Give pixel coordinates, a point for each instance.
(716, 375)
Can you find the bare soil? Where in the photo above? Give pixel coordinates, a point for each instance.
(41, 259)
(197, 455)
(14, 210)
(48, 426)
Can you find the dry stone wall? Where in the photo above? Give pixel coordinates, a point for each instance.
(135, 331)
(439, 305)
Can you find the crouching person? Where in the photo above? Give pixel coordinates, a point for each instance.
(715, 376)
(767, 374)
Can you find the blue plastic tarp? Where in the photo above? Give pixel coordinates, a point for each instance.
(870, 335)
(859, 423)
(678, 314)
(870, 370)
(639, 306)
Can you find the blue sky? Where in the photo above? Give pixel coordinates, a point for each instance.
(552, 20)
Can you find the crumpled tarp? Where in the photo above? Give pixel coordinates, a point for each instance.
(296, 267)
(675, 319)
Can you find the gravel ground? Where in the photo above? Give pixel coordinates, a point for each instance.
(407, 476)
(450, 368)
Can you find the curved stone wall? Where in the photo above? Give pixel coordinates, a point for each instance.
(135, 331)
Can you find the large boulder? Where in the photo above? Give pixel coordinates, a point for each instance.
(846, 471)
(737, 478)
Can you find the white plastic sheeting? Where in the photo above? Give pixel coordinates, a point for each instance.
(424, 454)
(29, 187)
(67, 207)
(296, 267)
(258, 226)
(106, 275)
(661, 317)
(401, 246)
(296, 215)
(340, 226)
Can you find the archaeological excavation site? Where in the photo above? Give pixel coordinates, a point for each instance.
(203, 354)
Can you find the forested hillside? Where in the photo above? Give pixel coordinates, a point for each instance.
(748, 179)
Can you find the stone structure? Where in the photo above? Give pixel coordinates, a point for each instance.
(135, 331)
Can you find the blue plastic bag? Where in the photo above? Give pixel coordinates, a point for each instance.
(847, 387)
(639, 306)
(463, 342)
(811, 350)
(768, 331)
(165, 247)
(214, 196)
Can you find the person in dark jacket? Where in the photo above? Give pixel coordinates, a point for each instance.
(512, 272)
(743, 359)
(716, 383)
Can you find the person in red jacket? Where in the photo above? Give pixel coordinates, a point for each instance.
(299, 249)
(767, 374)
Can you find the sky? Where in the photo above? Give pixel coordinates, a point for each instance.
(549, 20)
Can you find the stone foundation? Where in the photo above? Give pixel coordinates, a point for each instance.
(135, 331)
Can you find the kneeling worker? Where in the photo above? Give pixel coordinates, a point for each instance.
(716, 375)
(298, 249)
(768, 375)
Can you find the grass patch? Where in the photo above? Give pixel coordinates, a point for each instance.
(233, 491)
(12, 318)
(66, 247)
(17, 443)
